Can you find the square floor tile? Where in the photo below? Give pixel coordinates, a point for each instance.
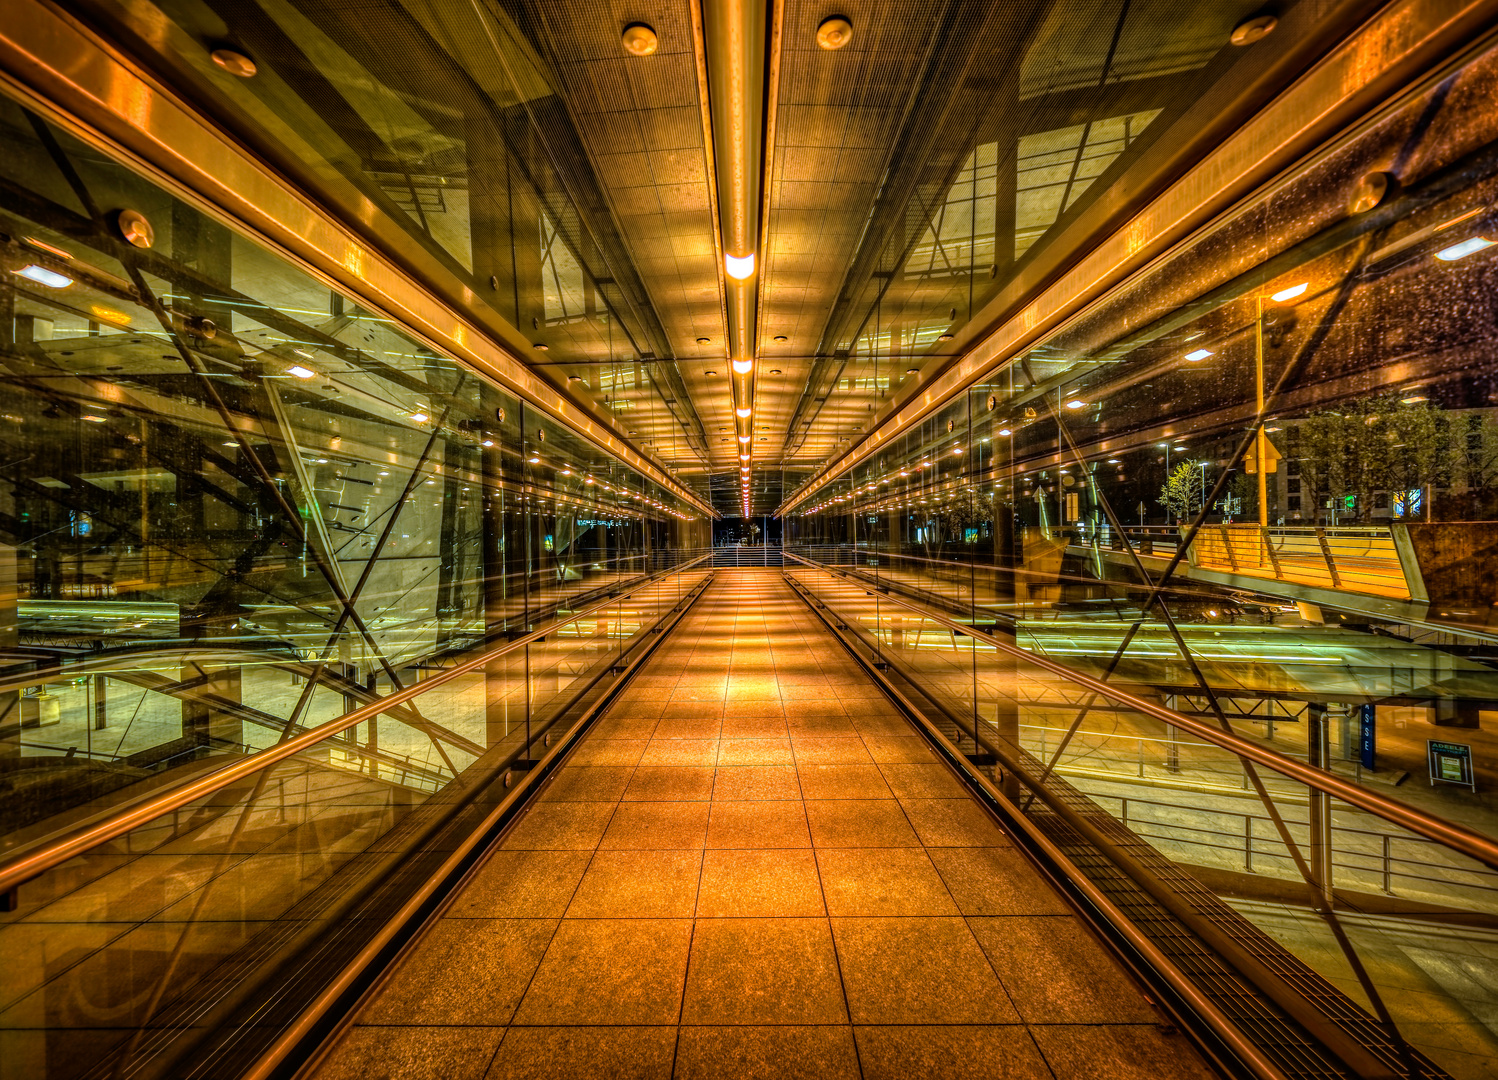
(587, 783)
(521, 885)
(699, 728)
(496, 957)
(882, 881)
(847, 823)
(567, 1053)
(657, 825)
(411, 1053)
(624, 727)
(918, 971)
(739, 726)
(739, 783)
(892, 749)
(952, 1053)
(763, 971)
(681, 752)
(670, 783)
(594, 751)
(638, 885)
(633, 709)
(765, 824)
(610, 971)
(776, 883)
(922, 781)
(692, 709)
(953, 823)
(766, 1053)
(1056, 972)
(877, 723)
(996, 881)
(560, 826)
(843, 782)
(755, 752)
(829, 750)
(1119, 1053)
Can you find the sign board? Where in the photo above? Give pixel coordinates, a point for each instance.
(1450, 763)
(1271, 457)
(1366, 731)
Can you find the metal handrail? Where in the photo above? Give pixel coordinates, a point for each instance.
(75, 842)
(1447, 833)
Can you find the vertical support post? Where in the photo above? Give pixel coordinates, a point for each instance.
(1318, 756)
(101, 703)
(1248, 843)
(1261, 450)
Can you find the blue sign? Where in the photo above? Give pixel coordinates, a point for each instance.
(1366, 730)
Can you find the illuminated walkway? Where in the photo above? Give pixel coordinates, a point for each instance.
(754, 866)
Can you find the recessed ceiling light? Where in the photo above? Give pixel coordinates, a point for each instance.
(943, 337)
(234, 62)
(639, 40)
(710, 373)
(541, 345)
(912, 371)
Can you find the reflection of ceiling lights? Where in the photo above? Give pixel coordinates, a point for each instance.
(302, 372)
(1291, 293)
(420, 417)
(1199, 354)
(1456, 251)
(92, 419)
(42, 276)
(1076, 404)
(1413, 399)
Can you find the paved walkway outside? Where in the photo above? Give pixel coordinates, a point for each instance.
(753, 866)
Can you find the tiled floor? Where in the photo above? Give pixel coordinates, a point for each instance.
(753, 866)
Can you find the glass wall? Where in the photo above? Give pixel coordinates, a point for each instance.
(1254, 485)
(234, 508)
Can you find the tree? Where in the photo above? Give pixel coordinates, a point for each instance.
(1182, 493)
(1378, 443)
